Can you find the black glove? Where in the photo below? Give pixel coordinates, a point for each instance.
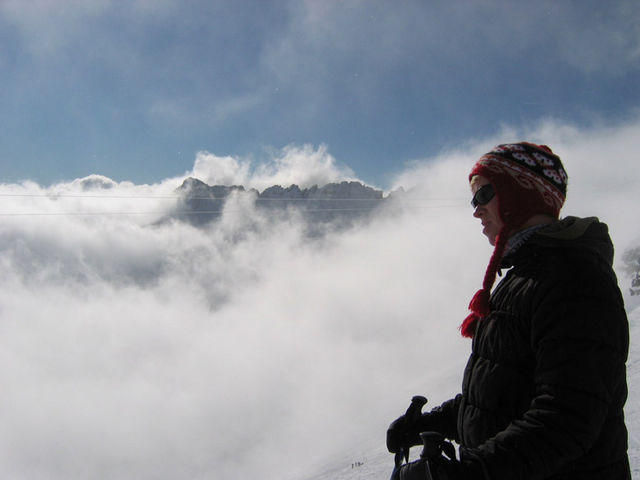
(404, 434)
(438, 462)
(400, 434)
(441, 468)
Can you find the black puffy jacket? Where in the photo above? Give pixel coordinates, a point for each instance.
(545, 385)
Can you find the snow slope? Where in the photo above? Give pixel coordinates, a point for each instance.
(632, 409)
(376, 463)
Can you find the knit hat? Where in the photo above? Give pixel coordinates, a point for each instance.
(528, 179)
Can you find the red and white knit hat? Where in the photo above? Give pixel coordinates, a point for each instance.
(528, 179)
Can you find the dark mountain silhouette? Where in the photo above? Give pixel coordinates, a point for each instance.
(340, 203)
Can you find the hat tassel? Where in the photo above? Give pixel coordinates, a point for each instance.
(479, 307)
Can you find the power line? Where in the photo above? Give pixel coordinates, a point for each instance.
(412, 205)
(54, 196)
(309, 205)
(189, 197)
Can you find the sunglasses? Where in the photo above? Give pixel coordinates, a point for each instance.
(483, 195)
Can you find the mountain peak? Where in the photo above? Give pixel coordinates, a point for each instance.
(345, 201)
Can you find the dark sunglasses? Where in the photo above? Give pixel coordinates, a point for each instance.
(483, 195)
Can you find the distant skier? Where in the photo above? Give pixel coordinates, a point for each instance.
(545, 385)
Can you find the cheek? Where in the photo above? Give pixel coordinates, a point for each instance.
(495, 216)
(493, 209)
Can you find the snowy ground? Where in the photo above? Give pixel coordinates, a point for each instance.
(376, 463)
(633, 403)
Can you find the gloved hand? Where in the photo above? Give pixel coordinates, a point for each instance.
(438, 462)
(441, 468)
(402, 434)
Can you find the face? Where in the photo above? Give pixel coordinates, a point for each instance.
(488, 214)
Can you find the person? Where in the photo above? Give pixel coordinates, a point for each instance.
(545, 385)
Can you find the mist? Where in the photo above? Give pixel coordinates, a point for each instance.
(137, 346)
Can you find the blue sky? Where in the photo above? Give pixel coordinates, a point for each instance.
(176, 333)
(133, 90)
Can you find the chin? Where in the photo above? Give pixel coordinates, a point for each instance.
(491, 237)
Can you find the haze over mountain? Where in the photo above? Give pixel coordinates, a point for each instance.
(336, 204)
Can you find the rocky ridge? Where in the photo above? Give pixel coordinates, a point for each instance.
(342, 202)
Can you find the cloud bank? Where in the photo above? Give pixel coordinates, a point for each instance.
(304, 166)
(140, 348)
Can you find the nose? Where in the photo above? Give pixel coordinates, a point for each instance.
(477, 212)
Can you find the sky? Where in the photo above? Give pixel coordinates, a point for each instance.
(135, 90)
(134, 346)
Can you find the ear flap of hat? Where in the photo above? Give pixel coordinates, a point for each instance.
(480, 306)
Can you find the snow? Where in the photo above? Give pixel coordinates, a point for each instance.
(632, 410)
(377, 463)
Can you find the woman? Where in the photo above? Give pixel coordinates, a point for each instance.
(545, 385)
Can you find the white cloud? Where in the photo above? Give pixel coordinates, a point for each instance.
(600, 162)
(215, 170)
(133, 349)
(48, 25)
(323, 41)
(609, 40)
(304, 166)
(227, 351)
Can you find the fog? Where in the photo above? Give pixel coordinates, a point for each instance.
(135, 346)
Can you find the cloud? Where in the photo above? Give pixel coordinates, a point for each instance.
(599, 160)
(215, 170)
(320, 36)
(165, 351)
(304, 166)
(609, 40)
(141, 349)
(321, 40)
(49, 25)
